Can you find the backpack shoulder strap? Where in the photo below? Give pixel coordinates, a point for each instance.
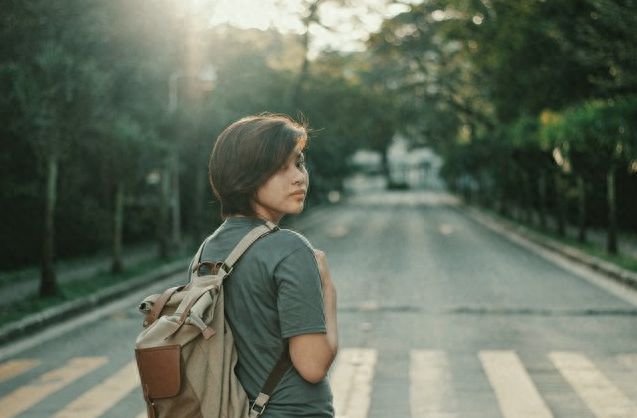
(196, 260)
(237, 251)
(245, 243)
(283, 365)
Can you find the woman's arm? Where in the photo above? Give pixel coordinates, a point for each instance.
(312, 354)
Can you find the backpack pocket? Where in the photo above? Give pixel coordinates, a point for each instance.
(159, 371)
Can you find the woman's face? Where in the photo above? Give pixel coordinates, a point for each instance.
(284, 192)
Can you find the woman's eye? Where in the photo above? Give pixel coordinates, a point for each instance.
(300, 163)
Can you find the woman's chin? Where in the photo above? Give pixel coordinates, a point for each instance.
(298, 209)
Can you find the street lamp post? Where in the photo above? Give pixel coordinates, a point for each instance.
(173, 90)
(208, 75)
(172, 163)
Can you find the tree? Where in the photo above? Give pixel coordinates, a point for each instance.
(596, 137)
(533, 158)
(311, 18)
(604, 39)
(45, 90)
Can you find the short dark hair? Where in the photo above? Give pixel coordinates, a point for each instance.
(247, 153)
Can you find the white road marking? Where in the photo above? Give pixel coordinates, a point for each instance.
(516, 394)
(628, 360)
(103, 396)
(26, 396)
(431, 393)
(13, 368)
(351, 381)
(603, 398)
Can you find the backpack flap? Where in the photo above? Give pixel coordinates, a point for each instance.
(181, 327)
(199, 304)
(153, 306)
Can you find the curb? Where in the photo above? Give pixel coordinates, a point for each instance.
(38, 321)
(46, 317)
(502, 226)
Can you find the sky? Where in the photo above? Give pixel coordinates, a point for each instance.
(349, 26)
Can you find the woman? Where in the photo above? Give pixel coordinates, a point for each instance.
(281, 290)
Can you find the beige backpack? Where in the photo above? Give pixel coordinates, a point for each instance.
(186, 354)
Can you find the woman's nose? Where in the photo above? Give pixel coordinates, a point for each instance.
(300, 176)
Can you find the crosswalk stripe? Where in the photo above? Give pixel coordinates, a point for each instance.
(431, 385)
(13, 368)
(628, 360)
(351, 381)
(103, 396)
(602, 397)
(431, 392)
(26, 396)
(516, 394)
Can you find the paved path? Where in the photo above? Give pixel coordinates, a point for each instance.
(439, 317)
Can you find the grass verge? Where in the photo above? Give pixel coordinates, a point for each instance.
(622, 260)
(76, 289)
(593, 249)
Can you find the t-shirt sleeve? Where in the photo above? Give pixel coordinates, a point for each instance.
(299, 297)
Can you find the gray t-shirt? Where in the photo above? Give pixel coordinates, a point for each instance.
(274, 293)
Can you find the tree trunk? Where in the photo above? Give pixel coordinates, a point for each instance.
(492, 196)
(298, 87)
(295, 98)
(385, 166)
(48, 282)
(175, 201)
(117, 265)
(612, 212)
(542, 198)
(526, 198)
(200, 224)
(581, 206)
(483, 190)
(503, 206)
(560, 205)
(466, 193)
(163, 222)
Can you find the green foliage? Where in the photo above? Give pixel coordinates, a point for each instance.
(481, 76)
(88, 82)
(523, 132)
(605, 130)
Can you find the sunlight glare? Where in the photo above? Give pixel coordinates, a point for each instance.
(259, 14)
(343, 27)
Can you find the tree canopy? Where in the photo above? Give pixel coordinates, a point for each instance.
(111, 107)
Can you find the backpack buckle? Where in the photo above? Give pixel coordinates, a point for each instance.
(258, 406)
(256, 410)
(227, 270)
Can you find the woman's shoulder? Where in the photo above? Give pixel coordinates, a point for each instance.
(288, 240)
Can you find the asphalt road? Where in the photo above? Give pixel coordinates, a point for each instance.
(438, 317)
